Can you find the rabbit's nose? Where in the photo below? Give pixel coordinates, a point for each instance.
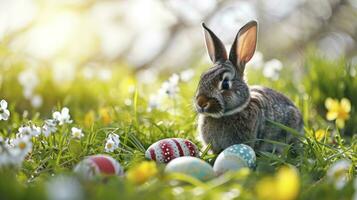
(202, 102)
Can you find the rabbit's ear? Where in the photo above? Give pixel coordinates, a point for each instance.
(215, 47)
(244, 45)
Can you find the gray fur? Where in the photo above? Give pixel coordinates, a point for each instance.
(239, 114)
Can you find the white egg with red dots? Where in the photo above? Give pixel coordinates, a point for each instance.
(234, 158)
(165, 150)
(191, 166)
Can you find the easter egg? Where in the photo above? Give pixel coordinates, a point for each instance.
(165, 150)
(191, 166)
(98, 165)
(234, 158)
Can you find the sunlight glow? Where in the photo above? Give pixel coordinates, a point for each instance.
(57, 33)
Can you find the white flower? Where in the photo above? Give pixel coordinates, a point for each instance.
(187, 75)
(154, 102)
(21, 147)
(110, 146)
(77, 133)
(170, 87)
(63, 187)
(112, 142)
(338, 173)
(23, 130)
(104, 74)
(62, 117)
(115, 138)
(28, 80)
(36, 101)
(4, 157)
(128, 102)
(174, 79)
(49, 127)
(272, 69)
(35, 131)
(8, 143)
(27, 92)
(4, 112)
(14, 151)
(29, 130)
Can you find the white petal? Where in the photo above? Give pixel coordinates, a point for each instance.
(6, 115)
(56, 115)
(3, 104)
(65, 111)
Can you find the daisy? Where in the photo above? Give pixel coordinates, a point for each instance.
(21, 147)
(77, 133)
(115, 138)
(62, 117)
(338, 173)
(112, 142)
(110, 146)
(4, 157)
(4, 112)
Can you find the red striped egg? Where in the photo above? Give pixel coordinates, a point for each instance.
(163, 151)
(98, 165)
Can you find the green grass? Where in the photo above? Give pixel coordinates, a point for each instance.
(99, 108)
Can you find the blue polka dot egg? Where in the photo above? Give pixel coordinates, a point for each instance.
(234, 158)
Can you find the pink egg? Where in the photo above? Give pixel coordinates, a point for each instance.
(163, 151)
(98, 165)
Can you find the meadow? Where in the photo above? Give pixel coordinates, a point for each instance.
(51, 118)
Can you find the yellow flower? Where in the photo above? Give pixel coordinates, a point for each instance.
(89, 118)
(142, 172)
(265, 188)
(285, 185)
(105, 116)
(320, 134)
(338, 111)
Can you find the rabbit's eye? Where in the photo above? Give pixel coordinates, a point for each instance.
(225, 84)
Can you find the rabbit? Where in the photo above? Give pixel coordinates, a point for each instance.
(231, 112)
